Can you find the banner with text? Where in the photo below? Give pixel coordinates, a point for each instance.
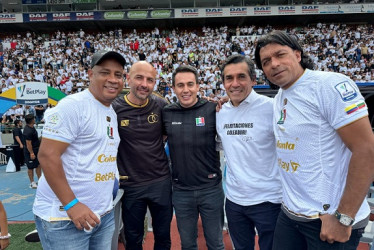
(31, 93)
(274, 10)
(10, 18)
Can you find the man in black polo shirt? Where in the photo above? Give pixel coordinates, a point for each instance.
(190, 125)
(31, 150)
(142, 162)
(19, 144)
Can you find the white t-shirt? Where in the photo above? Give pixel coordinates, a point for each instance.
(89, 162)
(312, 158)
(248, 142)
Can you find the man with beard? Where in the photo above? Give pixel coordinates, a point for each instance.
(142, 163)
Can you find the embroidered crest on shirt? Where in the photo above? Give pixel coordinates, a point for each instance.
(200, 121)
(109, 129)
(283, 113)
(152, 118)
(346, 90)
(125, 123)
(110, 132)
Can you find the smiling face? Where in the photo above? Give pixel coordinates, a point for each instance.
(281, 64)
(237, 82)
(142, 79)
(186, 88)
(106, 81)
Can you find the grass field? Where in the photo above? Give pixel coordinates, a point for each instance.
(17, 241)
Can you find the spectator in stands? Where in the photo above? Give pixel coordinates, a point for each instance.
(142, 163)
(31, 150)
(253, 188)
(182, 47)
(4, 234)
(39, 110)
(190, 125)
(78, 156)
(325, 148)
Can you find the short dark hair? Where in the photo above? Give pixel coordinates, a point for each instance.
(16, 122)
(29, 118)
(282, 38)
(234, 59)
(184, 69)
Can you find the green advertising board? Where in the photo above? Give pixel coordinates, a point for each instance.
(114, 15)
(137, 14)
(160, 13)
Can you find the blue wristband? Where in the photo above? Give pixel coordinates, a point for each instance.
(71, 204)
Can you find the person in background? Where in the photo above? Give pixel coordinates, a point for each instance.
(31, 149)
(19, 143)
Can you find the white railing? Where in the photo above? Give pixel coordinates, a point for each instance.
(3, 159)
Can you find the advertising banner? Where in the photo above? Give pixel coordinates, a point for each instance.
(262, 10)
(137, 14)
(238, 11)
(114, 15)
(31, 93)
(34, 1)
(368, 8)
(286, 10)
(84, 1)
(310, 9)
(10, 18)
(35, 17)
(62, 16)
(214, 12)
(187, 13)
(330, 9)
(161, 14)
(351, 8)
(87, 15)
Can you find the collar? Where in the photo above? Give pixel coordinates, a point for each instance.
(133, 104)
(250, 99)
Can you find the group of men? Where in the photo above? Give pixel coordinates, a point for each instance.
(298, 166)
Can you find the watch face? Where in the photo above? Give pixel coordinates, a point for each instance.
(345, 220)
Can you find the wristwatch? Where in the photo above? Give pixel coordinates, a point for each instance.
(344, 219)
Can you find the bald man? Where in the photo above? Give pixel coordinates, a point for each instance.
(142, 162)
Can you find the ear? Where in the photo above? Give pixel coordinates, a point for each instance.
(298, 55)
(90, 73)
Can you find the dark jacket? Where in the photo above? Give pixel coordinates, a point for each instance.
(191, 136)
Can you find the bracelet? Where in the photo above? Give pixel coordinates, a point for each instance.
(5, 237)
(71, 204)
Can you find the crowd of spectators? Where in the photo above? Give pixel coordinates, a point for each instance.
(61, 59)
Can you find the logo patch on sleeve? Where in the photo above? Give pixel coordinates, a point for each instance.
(346, 90)
(54, 119)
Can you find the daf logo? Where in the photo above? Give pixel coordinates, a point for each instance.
(152, 118)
